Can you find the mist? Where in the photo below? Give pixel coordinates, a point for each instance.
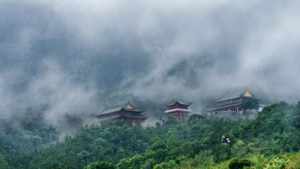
(80, 57)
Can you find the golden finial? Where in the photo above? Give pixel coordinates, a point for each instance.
(248, 93)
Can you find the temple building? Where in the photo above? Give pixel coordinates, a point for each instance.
(128, 113)
(240, 103)
(178, 110)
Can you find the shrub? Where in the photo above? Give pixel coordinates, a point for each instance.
(239, 164)
(277, 163)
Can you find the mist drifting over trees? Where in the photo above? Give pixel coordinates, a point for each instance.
(148, 50)
(63, 61)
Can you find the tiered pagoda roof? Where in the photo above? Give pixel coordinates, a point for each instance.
(176, 105)
(178, 110)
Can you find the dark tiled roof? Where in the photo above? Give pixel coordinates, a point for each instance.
(179, 102)
(236, 95)
(234, 100)
(127, 108)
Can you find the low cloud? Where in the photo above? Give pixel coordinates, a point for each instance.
(80, 57)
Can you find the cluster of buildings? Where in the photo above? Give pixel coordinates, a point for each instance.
(180, 111)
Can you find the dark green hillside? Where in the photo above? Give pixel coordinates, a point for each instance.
(193, 144)
(273, 138)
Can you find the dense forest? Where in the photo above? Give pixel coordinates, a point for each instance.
(271, 141)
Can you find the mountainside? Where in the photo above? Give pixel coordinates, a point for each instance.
(272, 139)
(67, 66)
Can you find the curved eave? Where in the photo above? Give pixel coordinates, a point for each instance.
(178, 110)
(179, 103)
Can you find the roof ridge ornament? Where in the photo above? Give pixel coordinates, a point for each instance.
(247, 93)
(129, 106)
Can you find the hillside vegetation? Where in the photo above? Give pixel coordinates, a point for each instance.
(271, 141)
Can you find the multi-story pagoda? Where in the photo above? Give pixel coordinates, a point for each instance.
(128, 113)
(241, 103)
(178, 110)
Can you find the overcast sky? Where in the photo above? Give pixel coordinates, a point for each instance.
(77, 55)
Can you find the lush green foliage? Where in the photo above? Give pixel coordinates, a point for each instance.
(270, 141)
(100, 165)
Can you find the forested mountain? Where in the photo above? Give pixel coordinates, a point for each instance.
(64, 61)
(272, 140)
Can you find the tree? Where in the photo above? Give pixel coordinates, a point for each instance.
(297, 116)
(100, 165)
(131, 163)
(250, 104)
(3, 162)
(166, 165)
